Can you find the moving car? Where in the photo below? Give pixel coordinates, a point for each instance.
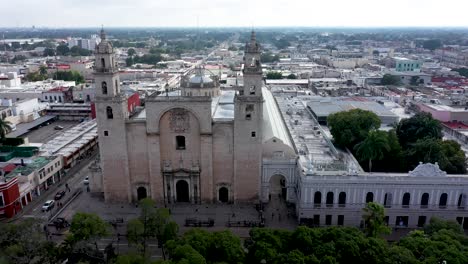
(58, 127)
(86, 180)
(48, 205)
(59, 195)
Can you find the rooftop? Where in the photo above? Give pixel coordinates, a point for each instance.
(36, 164)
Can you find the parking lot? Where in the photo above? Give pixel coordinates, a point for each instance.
(48, 132)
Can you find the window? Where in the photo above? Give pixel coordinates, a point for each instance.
(329, 201)
(2, 203)
(252, 90)
(46, 97)
(421, 221)
(253, 134)
(342, 199)
(406, 200)
(104, 87)
(443, 201)
(328, 220)
(424, 200)
(106, 133)
(103, 63)
(369, 197)
(461, 201)
(341, 220)
(110, 115)
(180, 142)
(249, 108)
(388, 200)
(317, 199)
(248, 116)
(401, 221)
(316, 220)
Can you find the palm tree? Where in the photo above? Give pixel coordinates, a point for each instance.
(4, 128)
(374, 219)
(372, 147)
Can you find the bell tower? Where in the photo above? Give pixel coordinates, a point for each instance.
(248, 134)
(112, 114)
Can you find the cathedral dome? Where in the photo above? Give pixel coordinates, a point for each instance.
(104, 46)
(199, 79)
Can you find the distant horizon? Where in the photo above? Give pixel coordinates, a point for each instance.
(235, 27)
(235, 13)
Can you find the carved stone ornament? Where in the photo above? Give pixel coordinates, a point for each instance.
(427, 170)
(179, 120)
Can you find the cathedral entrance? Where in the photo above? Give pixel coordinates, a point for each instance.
(278, 187)
(141, 193)
(223, 194)
(182, 192)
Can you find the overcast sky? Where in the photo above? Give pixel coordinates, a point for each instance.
(233, 13)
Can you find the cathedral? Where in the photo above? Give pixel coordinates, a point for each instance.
(200, 145)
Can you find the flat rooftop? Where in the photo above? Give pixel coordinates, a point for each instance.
(310, 141)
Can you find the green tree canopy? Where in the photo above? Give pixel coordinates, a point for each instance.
(373, 147)
(348, 128)
(419, 126)
(274, 75)
(374, 220)
(389, 79)
(69, 76)
(88, 227)
(292, 76)
(432, 44)
(131, 52)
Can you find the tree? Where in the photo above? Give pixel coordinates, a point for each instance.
(462, 71)
(5, 128)
(419, 126)
(268, 57)
(455, 159)
(43, 70)
(292, 76)
(131, 52)
(274, 75)
(432, 44)
(437, 224)
(374, 219)
(48, 52)
(69, 76)
(25, 243)
(152, 223)
(372, 147)
(88, 227)
(62, 49)
(389, 79)
(348, 128)
(18, 58)
(129, 61)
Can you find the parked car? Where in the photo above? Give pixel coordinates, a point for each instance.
(48, 205)
(86, 180)
(61, 222)
(59, 195)
(58, 127)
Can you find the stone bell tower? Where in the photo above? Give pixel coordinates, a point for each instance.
(248, 127)
(111, 114)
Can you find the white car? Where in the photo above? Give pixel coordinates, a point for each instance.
(86, 180)
(48, 205)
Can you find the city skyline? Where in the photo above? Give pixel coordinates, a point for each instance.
(230, 13)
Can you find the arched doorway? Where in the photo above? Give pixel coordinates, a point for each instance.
(141, 193)
(278, 186)
(182, 192)
(223, 194)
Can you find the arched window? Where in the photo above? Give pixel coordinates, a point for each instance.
(461, 201)
(329, 201)
(180, 142)
(110, 115)
(406, 200)
(103, 63)
(342, 199)
(317, 199)
(443, 201)
(369, 197)
(388, 200)
(424, 200)
(104, 87)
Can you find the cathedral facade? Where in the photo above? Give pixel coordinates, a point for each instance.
(201, 145)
